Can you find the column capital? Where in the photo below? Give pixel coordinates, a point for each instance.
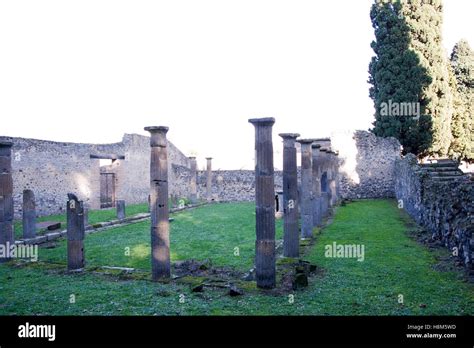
(192, 157)
(264, 121)
(289, 135)
(6, 144)
(305, 141)
(208, 158)
(157, 135)
(157, 129)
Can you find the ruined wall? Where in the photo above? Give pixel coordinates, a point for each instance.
(52, 169)
(440, 200)
(233, 185)
(367, 164)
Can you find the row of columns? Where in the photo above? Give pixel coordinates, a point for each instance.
(193, 179)
(318, 174)
(318, 191)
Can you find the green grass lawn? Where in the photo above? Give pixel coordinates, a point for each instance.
(210, 232)
(394, 265)
(95, 216)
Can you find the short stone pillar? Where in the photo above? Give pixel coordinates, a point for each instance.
(29, 214)
(192, 180)
(316, 166)
(75, 233)
(306, 188)
(160, 238)
(209, 179)
(265, 203)
(120, 206)
(291, 237)
(7, 237)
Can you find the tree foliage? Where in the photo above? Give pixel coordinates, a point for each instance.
(462, 81)
(409, 66)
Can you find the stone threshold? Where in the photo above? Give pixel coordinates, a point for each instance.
(102, 226)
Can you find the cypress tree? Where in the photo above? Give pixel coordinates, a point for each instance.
(462, 125)
(409, 66)
(396, 75)
(424, 20)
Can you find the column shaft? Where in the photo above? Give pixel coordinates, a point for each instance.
(265, 203)
(160, 241)
(306, 189)
(6, 197)
(291, 240)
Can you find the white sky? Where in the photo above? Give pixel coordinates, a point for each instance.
(89, 71)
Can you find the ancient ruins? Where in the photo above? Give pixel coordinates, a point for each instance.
(37, 176)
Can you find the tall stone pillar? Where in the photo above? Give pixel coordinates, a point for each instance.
(192, 180)
(291, 238)
(306, 188)
(160, 240)
(324, 182)
(265, 203)
(332, 180)
(6, 197)
(316, 166)
(75, 233)
(29, 214)
(338, 177)
(209, 179)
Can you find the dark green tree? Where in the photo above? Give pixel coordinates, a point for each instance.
(396, 75)
(424, 18)
(410, 67)
(462, 124)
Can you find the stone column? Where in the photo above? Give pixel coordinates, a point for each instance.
(306, 188)
(29, 214)
(75, 233)
(120, 205)
(86, 216)
(192, 181)
(291, 238)
(324, 182)
(332, 180)
(338, 178)
(160, 240)
(279, 197)
(265, 203)
(316, 166)
(7, 237)
(209, 179)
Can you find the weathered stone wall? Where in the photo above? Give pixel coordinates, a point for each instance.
(441, 202)
(367, 164)
(233, 185)
(52, 169)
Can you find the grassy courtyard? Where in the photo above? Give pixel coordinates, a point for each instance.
(393, 265)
